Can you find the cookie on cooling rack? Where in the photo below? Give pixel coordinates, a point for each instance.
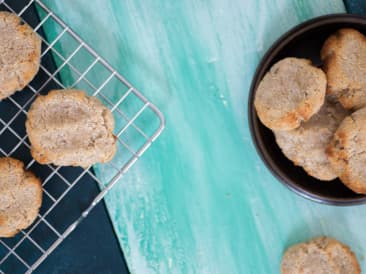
(69, 128)
(320, 255)
(20, 51)
(290, 93)
(20, 197)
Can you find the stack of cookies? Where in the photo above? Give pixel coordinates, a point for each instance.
(65, 127)
(318, 115)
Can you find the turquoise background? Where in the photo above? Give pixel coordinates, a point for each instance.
(201, 200)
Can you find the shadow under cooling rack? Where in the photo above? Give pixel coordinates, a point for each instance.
(68, 62)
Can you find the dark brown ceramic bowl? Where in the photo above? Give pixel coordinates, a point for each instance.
(304, 41)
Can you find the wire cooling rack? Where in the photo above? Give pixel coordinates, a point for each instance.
(75, 65)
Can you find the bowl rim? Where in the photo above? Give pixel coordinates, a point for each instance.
(272, 51)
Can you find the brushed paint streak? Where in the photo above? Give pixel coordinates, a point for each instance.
(200, 200)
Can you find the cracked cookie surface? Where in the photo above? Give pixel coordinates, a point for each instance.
(20, 197)
(20, 51)
(347, 151)
(69, 128)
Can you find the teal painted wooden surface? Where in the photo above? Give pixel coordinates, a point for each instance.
(200, 200)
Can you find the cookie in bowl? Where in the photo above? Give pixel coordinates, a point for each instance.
(344, 58)
(347, 151)
(291, 92)
(306, 145)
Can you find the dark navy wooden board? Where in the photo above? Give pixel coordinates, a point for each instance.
(93, 246)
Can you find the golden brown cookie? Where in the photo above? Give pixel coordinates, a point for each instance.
(347, 151)
(20, 51)
(306, 145)
(344, 58)
(290, 93)
(20, 197)
(321, 255)
(69, 128)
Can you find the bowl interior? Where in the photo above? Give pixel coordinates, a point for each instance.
(304, 41)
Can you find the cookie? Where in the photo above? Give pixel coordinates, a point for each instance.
(291, 92)
(306, 145)
(321, 255)
(20, 197)
(20, 51)
(69, 128)
(344, 58)
(347, 151)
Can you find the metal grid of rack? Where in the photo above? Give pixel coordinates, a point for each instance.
(138, 124)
